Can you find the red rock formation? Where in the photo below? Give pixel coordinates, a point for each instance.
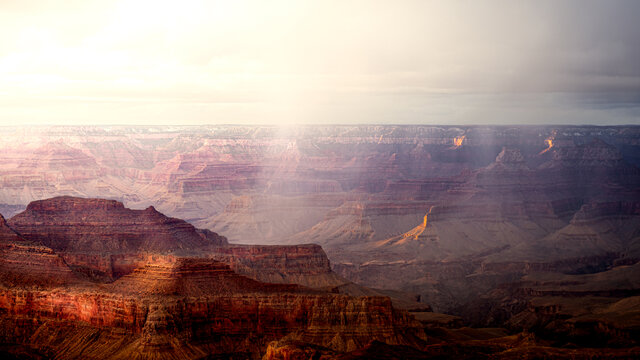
(102, 238)
(24, 261)
(168, 275)
(507, 200)
(168, 305)
(300, 264)
(71, 224)
(192, 307)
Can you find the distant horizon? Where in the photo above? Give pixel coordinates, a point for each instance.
(318, 125)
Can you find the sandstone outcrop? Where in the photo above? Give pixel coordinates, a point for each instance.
(27, 261)
(189, 308)
(307, 265)
(169, 304)
(502, 202)
(69, 224)
(102, 238)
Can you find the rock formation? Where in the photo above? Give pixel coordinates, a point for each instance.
(25, 261)
(169, 304)
(69, 225)
(503, 202)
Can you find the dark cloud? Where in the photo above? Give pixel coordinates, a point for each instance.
(596, 54)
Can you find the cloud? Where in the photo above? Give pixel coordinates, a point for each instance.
(320, 62)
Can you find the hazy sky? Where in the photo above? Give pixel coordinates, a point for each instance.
(303, 62)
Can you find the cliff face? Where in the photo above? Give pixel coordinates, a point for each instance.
(307, 265)
(213, 325)
(168, 304)
(70, 224)
(102, 238)
(27, 261)
(571, 207)
(591, 310)
(188, 308)
(105, 240)
(446, 212)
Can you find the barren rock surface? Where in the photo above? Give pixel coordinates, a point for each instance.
(457, 217)
(169, 305)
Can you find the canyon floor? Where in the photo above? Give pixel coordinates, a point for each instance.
(346, 242)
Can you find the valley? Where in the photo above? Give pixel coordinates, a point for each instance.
(532, 230)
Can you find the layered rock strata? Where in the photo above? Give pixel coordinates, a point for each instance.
(169, 304)
(189, 308)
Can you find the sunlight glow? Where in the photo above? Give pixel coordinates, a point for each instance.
(283, 62)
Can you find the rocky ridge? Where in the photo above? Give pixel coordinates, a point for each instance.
(170, 304)
(506, 202)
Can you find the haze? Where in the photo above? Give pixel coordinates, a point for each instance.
(324, 62)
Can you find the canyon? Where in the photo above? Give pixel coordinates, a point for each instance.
(154, 288)
(532, 230)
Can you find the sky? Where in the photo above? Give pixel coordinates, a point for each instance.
(144, 62)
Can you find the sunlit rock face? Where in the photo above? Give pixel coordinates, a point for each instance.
(28, 261)
(90, 278)
(103, 237)
(500, 202)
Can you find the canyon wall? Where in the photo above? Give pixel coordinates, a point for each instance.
(498, 199)
(179, 296)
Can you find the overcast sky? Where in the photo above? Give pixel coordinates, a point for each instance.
(319, 62)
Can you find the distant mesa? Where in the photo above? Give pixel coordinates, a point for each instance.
(73, 224)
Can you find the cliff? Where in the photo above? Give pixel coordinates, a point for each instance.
(26, 261)
(143, 296)
(188, 308)
(307, 265)
(104, 240)
(505, 201)
(71, 224)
